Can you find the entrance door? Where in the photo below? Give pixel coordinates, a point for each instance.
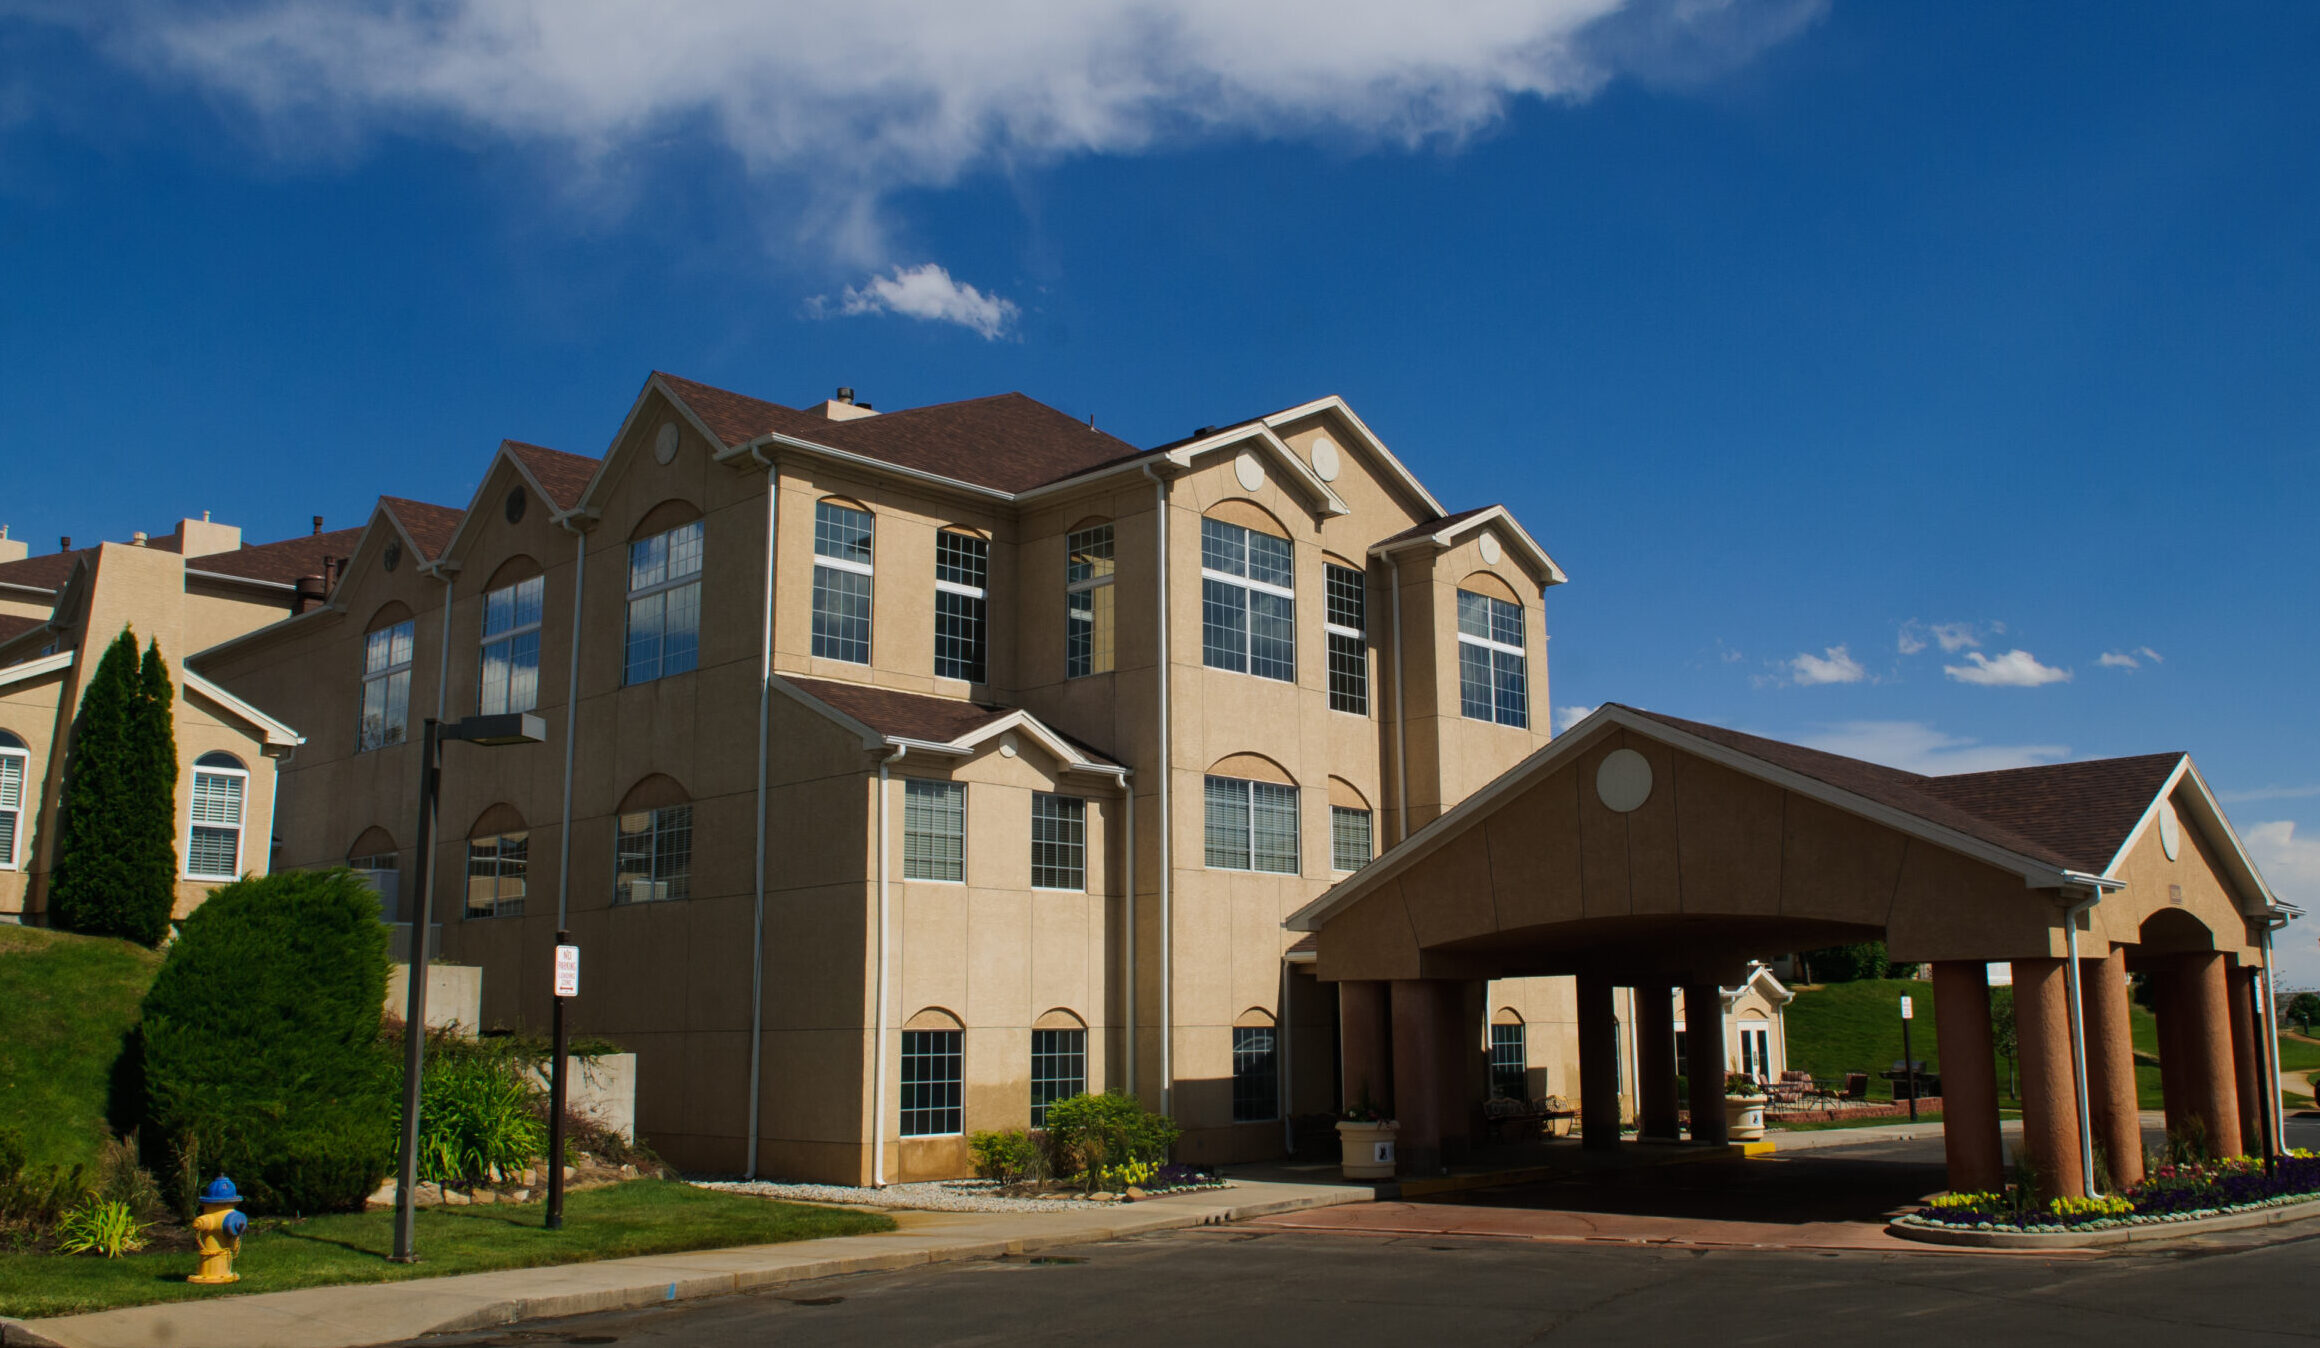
(1756, 1051)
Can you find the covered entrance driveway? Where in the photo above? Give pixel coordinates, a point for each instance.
(1645, 852)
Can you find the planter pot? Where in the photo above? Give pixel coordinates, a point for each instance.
(1367, 1150)
(1744, 1117)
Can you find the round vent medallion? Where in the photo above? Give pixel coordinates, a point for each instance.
(393, 556)
(1325, 461)
(1007, 746)
(1490, 549)
(515, 505)
(1250, 472)
(2170, 830)
(665, 444)
(1623, 781)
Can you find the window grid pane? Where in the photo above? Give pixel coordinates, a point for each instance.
(495, 875)
(962, 559)
(1349, 838)
(210, 852)
(1227, 823)
(664, 607)
(1512, 686)
(933, 1064)
(958, 636)
(1256, 1084)
(842, 532)
(1088, 569)
(653, 855)
(386, 690)
(1274, 827)
(11, 804)
(1224, 625)
(934, 830)
(841, 615)
(1058, 1069)
(1058, 842)
(1509, 1065)
(1244, 629)
(1474, 681)
(1348, 674)
(217, 798)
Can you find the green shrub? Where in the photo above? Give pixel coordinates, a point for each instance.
(1099, 1136)
(1008, 1157)
(481, 1114)
(106, 1226)
(116, 849)
(1849, 964)
(261, 1038)
(33, 1198)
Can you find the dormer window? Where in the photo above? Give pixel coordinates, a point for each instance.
(844, 540)
(1493, 681)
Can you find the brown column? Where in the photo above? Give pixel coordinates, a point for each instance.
(1969, 1076)
(2110, 1068)
(2207, 1033)
(1432, 1044)
(2049, 1088)
(2171, 1010)
(1704, 1061)
(1366, 1032)
(1598, 1063)
(2247, 1070)
(1655, 1062)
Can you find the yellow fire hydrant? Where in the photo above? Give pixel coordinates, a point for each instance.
(219, 1229)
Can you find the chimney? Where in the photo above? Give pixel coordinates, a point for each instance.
(64, 544)
(202, 538)
(137, 539)
(329, 575)
(318, 525)
(312, 591)
(12, 549)
(844, 408)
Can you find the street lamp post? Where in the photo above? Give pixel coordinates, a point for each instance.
(512, 728)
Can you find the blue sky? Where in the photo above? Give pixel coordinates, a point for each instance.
(1876, 371)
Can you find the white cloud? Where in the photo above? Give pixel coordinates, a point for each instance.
(927, 293)
(2268, 793)
(2292, 866)
(1914, 746)
(2015, 669)
(1566, 717)
(1915, 636)
(844, 104)
(2130, 659)
(1836, 665)
(2151, 655)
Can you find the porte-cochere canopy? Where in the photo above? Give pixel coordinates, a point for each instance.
(1642, 850)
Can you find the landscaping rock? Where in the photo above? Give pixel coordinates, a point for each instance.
(483, 1197)
(426, 1194)
(518, 1195)
(530, 1179)
(384, 1197)
(455, 1199)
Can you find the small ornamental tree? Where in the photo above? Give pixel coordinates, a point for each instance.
(261, 1041)
(116, 848)
(2304, 1009)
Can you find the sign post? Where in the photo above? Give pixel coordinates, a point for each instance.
(1908, 1064)
(567, 987)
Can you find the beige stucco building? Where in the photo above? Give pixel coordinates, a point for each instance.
(191, 588)
(904, 769)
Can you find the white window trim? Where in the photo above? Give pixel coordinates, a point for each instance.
(869, 568)
(241, 828)
(1084, 860)
(23, 758)
(662, 586)
(906, 877)
(1466, 638)
(1248, 787)
(508, 636)
(1247, 583)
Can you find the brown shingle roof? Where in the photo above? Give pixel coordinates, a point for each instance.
(563, 476)
(1006, 442)
(47, 571)
(1430, 526)
(285, 562)
(920, 716)
(14, 625)
(430, 526)
(2074, 815)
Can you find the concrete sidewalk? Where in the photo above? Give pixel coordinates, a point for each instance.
(349, 1316)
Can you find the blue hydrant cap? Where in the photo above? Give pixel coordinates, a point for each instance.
(235, 1223)
(221, 1190)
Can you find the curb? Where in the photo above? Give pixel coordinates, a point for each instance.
(2049, 1241)
(18, 1334)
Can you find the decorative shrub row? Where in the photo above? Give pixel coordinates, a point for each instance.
(2172, 1193)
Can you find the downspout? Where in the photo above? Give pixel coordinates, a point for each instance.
(757, 914)
(2070, 918)
(2270, 1030)
(1167, 932)
(571, 725)
(878, 1015)
(1128, 924)
(1401, 740)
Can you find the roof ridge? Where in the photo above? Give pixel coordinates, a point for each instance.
(2067, 763)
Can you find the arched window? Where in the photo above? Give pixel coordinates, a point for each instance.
(1087, 599)
(934, 1054)
(1250, 816)
(962, 575)
(499, 851)
(386, 679)
(375, 858)
(652, 850)
(1509, 1056)
(664, 597)
(1248, 595)
(1256, 1067)
(213, 845)
(845, 550)
(1058, 1061)
(511, 639)
(1493, 681)
(15, 766)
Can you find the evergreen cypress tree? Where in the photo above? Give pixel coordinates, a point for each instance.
(116, 849)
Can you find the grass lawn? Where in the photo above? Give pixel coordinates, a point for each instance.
(640, 1217)
(66, 1004)
(1837, 1028)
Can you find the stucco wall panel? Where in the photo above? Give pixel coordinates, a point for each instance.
(1728, 838)
(1836, 867)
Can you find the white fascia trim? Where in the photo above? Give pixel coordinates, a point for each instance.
(278, 734)
(1301, 956)
(2218, 827)
(1449, 535)
(1055, 744)
(31, 589)
(1370, 442)
(2150, 814)
(33, 669)
(868, 464)
(252, 581)
(1311, 486)
(2036, 874)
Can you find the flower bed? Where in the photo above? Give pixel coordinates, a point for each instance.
(2172, 1193)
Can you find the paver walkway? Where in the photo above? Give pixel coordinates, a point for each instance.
(346, 1317)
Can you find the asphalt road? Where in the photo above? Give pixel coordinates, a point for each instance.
(1242, 1285)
